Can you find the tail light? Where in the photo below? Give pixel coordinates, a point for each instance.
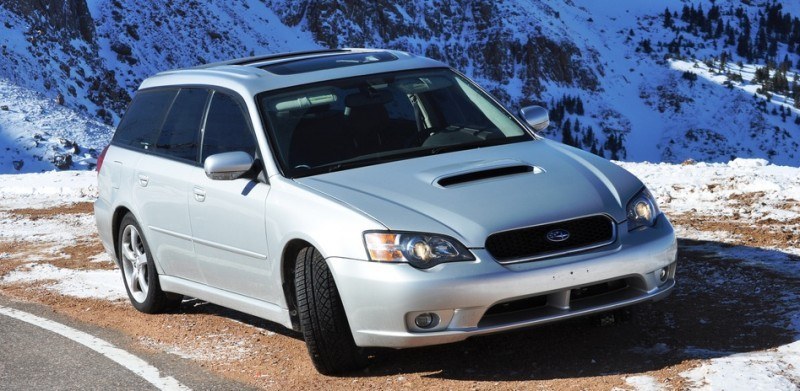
(100, 159)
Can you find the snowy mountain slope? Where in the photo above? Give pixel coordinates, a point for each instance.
(138, 38)
(37, 134)
(631, 72)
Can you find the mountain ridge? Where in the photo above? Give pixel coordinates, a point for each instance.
(646, 90)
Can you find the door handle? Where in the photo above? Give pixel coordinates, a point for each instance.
(199, 194)
(143, 180)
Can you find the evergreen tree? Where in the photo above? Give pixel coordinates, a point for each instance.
(588, 138)
(761, 42)
(743, 47)
(668, 23)
(566, 133)
(772, 51)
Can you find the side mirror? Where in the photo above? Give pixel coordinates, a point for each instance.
(228, 166)
(537, 117)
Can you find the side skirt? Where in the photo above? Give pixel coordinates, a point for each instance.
(227, 299)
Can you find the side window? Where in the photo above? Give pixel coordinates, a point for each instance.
(180, 134)
(226, 129)
(141, 123)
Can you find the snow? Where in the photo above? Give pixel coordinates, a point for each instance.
(644, 383)
(47, 189)
(85, 284)
(721, 189)
(60, 230)
(639, 95)
(769, 370)
(35, 132)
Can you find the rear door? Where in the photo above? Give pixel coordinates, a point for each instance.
(227, 217)
(162, 184)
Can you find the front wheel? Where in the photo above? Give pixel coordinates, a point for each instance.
(322, 318)
(139, 271)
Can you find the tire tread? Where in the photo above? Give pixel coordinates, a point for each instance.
(322, 318)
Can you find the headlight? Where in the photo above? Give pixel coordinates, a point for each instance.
(420, 250)
(642, 210)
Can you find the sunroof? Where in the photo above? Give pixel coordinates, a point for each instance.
(328, 62)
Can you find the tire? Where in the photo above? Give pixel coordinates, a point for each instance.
(139, 271)
(322, 317)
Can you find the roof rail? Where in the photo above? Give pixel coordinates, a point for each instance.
(269, 57)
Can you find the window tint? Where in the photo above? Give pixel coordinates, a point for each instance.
(139, 128)
(226, 128)
(180, 134)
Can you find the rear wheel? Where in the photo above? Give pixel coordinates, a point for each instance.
(139, 271)
(322, 318)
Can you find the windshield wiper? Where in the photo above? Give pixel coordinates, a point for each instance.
(454, 147)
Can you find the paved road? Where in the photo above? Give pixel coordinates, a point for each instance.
(34, 358)
(37, 359)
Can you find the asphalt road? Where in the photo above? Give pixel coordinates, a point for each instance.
(34, 358)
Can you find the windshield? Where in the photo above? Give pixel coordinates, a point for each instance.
(350, 123)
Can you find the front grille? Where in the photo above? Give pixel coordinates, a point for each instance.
(533, 242)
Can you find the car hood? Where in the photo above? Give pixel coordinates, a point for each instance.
(407, 195)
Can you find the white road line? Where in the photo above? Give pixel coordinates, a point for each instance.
(113, 353)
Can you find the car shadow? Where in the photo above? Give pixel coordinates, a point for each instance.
(724, 303)
(198, 307)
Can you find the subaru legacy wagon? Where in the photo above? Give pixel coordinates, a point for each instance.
(368, 198)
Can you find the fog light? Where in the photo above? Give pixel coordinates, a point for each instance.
(662, 275)
(426, 320)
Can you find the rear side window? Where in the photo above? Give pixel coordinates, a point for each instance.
(227, 129)
(180, 134)
(140, 125)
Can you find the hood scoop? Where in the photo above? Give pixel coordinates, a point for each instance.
(491, 173)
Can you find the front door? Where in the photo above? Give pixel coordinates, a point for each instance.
(227, 217)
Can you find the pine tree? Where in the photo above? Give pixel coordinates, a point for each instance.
(761, 42)
(772, 51)
(743, 48)
(588, 138)
(579, 107)
(668, 23)
(566, 133)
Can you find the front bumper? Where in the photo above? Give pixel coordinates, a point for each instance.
(382, 300)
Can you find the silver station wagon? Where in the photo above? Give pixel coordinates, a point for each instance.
(368, 198)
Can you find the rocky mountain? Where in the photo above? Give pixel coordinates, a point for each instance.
(664, 80)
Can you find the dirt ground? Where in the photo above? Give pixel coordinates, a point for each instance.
(721, 306)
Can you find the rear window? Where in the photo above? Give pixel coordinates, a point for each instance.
(142, 122)
(180, 134)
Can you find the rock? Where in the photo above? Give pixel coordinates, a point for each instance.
(62, 162)
(121, 49)
(18, 164)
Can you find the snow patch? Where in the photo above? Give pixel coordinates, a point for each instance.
(771, 370)
(85, 284)
(644, 383)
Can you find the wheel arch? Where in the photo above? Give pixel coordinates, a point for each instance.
(116, 219)
(288, 263)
